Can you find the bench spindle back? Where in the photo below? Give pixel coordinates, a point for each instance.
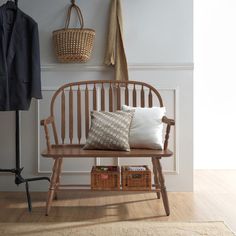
(78, 99)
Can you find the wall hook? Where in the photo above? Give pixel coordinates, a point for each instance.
(73, 2)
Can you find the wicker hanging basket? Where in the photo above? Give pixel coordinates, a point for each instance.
(73, 44)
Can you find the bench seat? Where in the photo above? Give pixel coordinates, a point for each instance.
(73, 150)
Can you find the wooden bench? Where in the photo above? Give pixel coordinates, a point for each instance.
(70, 127)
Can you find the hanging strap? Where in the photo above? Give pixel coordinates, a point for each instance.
(79, 13)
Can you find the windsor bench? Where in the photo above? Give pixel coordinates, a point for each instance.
(70, 127)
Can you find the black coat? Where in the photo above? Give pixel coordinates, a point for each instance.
(19, 59)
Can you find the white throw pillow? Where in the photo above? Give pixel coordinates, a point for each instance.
(146, 127)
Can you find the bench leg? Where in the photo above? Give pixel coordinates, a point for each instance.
(156, 179)
(53, 185)
(163, 187)
(58, 178)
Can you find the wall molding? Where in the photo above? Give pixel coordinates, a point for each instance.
(97, 160)
(98, 68)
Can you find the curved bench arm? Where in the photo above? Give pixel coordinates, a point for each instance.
(45, 123)
(169, 123)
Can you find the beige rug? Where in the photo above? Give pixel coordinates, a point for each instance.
(131, 228)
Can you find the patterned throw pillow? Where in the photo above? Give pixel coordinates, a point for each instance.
(109, 130)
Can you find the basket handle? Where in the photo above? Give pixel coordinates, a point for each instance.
(79, 13)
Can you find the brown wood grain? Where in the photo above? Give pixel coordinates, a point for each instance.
(150, 98)
(162, 186)
(53, 185)
(102, 98)
(126, 95)
(110, 98)
(86, 111)
(47, 137)
(155, 175)
(63, 117)
(94, 97)
(134, 96)
(79, 114)
(206, 203)
(118, 104)
(71, 115)
(72, 150)
(142, 97)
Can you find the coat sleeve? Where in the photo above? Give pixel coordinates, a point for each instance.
(35, 69)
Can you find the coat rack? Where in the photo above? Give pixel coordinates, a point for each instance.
(19, 179)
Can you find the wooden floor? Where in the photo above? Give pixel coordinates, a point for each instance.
(214, 199)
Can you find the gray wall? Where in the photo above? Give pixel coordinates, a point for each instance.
(158, 38)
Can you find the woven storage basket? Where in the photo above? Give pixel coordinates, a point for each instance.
(73, 44)
(136, 180)
(105, 178)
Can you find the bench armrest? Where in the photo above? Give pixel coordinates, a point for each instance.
(169, 123)
(45, 123)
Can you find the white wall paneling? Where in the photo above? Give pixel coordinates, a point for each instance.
(158, 41)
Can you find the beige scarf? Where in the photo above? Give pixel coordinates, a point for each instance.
(115, 52)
